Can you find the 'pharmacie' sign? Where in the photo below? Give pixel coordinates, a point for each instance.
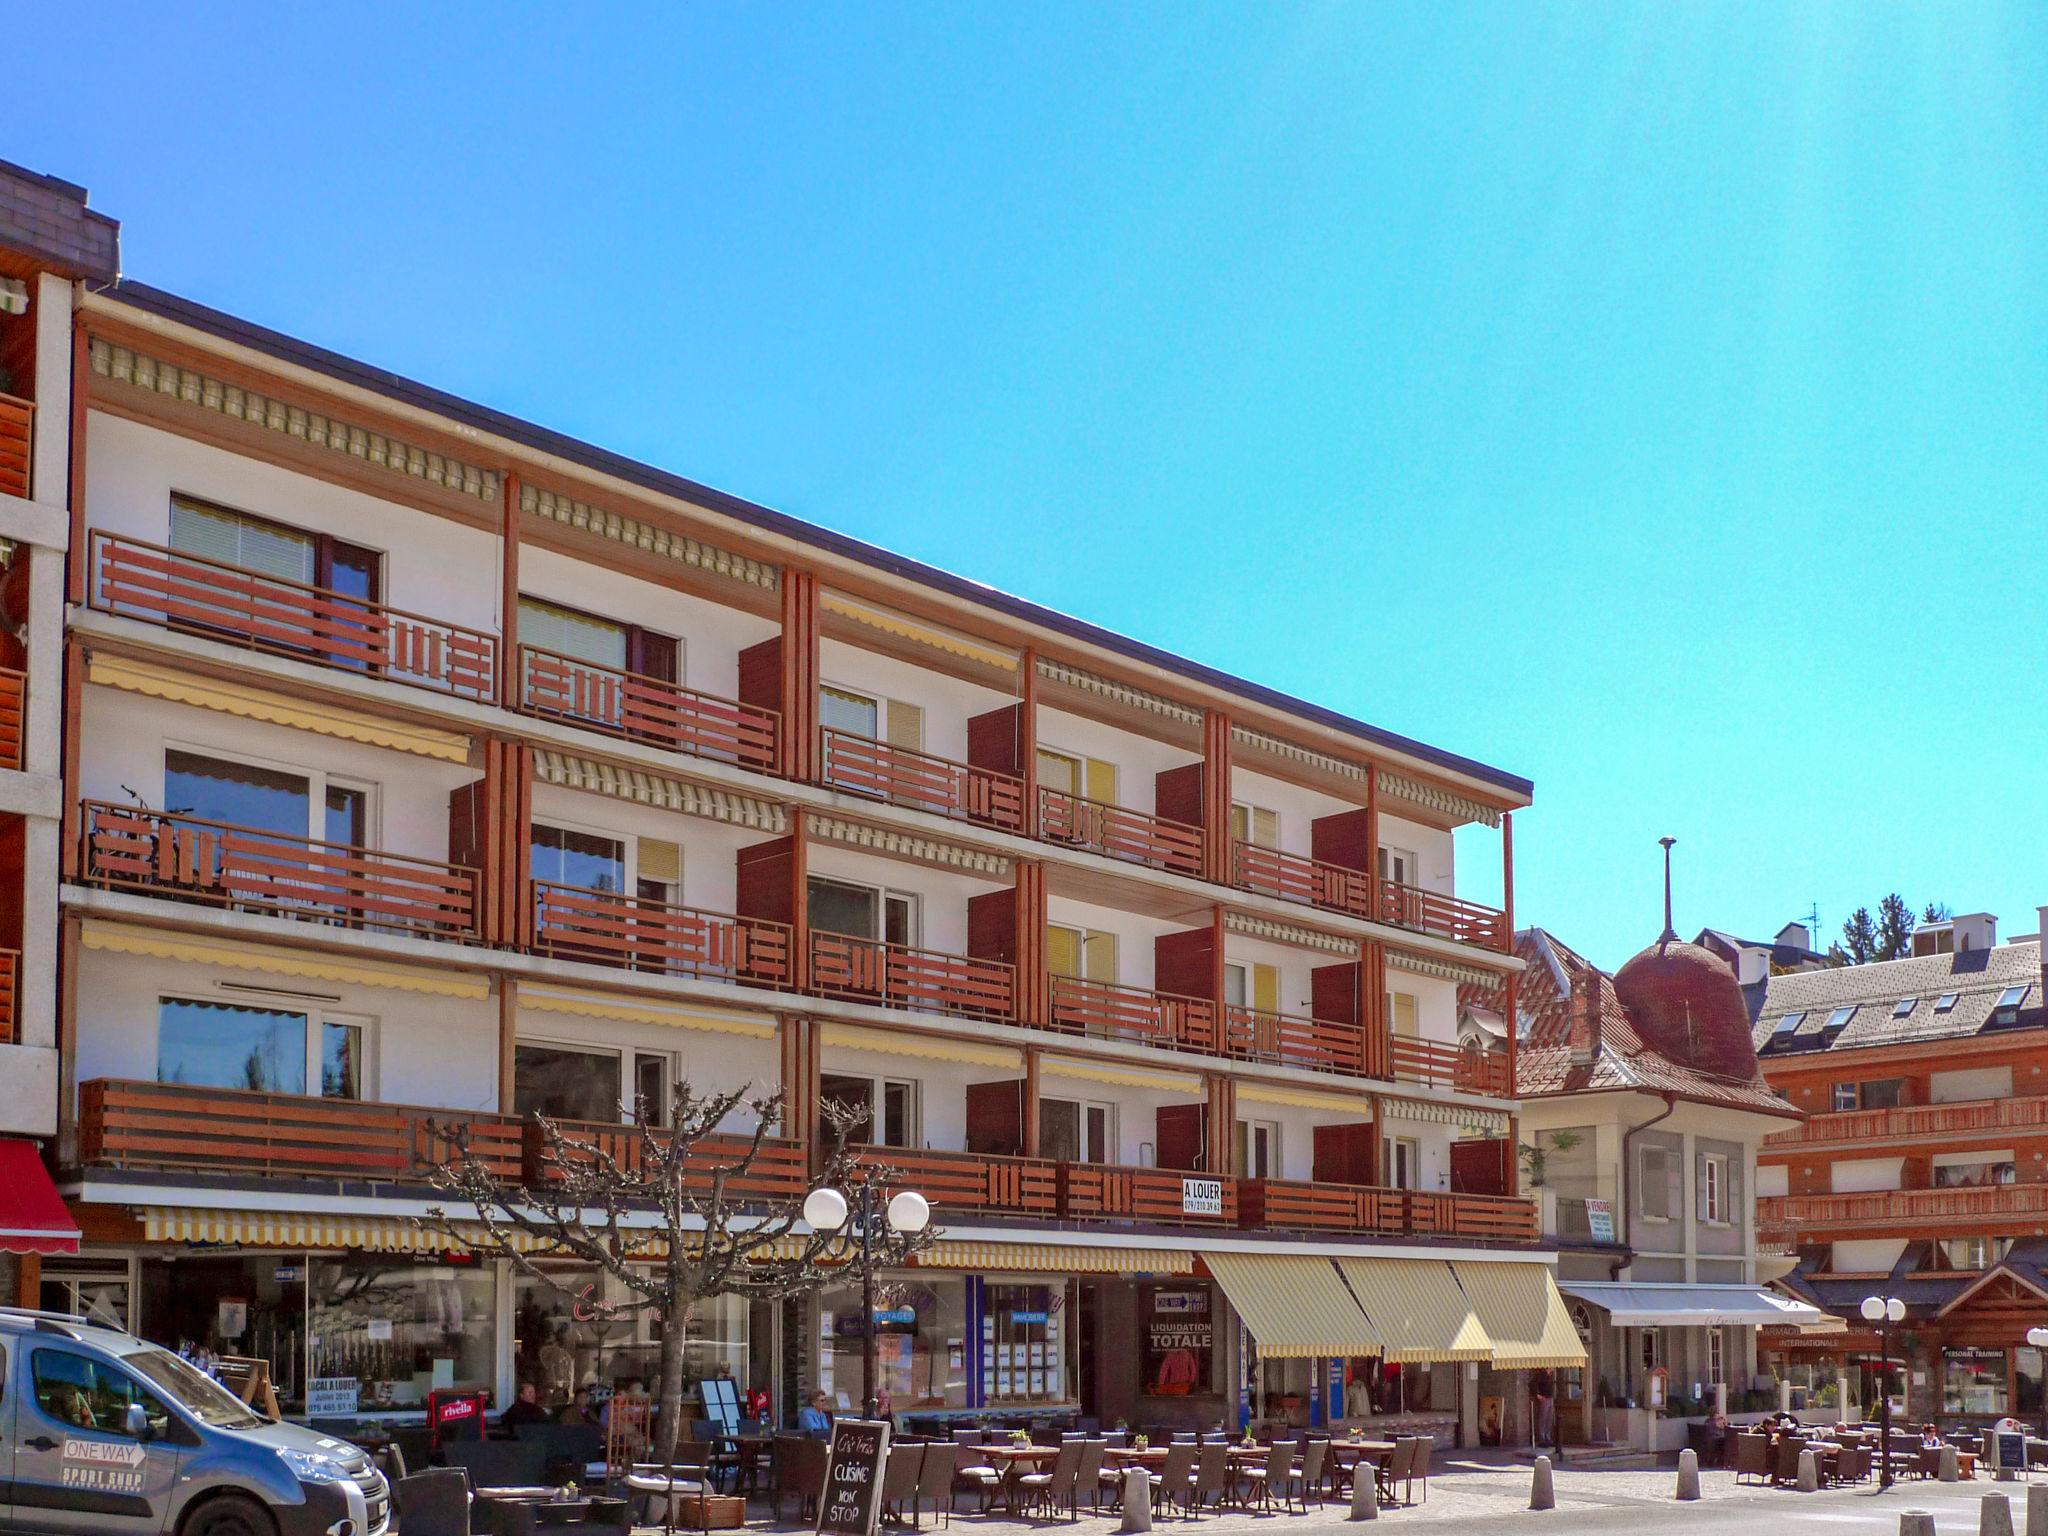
(1201, 1197)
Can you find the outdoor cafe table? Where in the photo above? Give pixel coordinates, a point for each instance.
(1013, 1461)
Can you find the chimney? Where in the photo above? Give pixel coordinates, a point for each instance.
(2042, 931)
(1584, 1032)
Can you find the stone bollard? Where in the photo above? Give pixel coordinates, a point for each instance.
(1137, 1500)
(1950, 1471)
(1542, 1492)
(1688, 1474)
(2037, 1510)
(1365, 1492)
(1916, 1522)
(1994, 1516)
(1809, 1472)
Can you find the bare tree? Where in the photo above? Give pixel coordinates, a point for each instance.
(673, 1213)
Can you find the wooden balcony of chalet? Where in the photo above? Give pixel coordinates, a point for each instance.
(641, 934)
(10, 992)
(17, 441)
(1354, 892)
(903, 976)
(13, 704)
(194, 595)
(921, 781)
(969, 1181)
(1432, 1064)
(1321, 1207)
(1105, 1011)
(1900, 1212)
(1938, 1124)
(188, 858)
(648, 709)
(1294, 1040)
(780, 1169)
(1117, 832)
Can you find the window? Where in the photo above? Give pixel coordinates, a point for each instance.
(1943, 1003)
(861, 911)
(1402, 1156)
(2009, 1001)
(257, 544)
(1845, 1096)
(1716, 1361)
(84, 1393)
(1974, 1175)
(586, 860)
(1252, 986)
(1904, 1007)
(1787, 1024)
(1652, 1349)
(1398, 865)
(1973, 1381)
(564, 1082)
(1076, 1131)
(1254, 824)
(859, 1095)
(870, 717)
(261, 1049)
(1070, 773)
(1881, 1093)
(1258, 1150)
(1840, 1017)
(269, 799)
(1653, 1168)
(1713, 1176)
(1401, 1017)
(1974, 1252)
(1082, 953)
(602, 642)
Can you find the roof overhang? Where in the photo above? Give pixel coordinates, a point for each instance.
(1633, 1304)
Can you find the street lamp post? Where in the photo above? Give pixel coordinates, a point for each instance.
(1884, 1311)
(2038, 1337)
(827, 1210)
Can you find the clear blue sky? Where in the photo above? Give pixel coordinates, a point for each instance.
(1651, 400)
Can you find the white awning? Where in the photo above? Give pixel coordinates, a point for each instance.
(1633, 1305)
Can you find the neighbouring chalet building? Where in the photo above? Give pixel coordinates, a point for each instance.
(1921, 1171)
(421, 763)
(1642, 1111)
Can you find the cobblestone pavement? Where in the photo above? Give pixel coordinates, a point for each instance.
(1492, 1494)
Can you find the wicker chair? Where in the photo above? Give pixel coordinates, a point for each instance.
(1752, 1457)
(935, 1480)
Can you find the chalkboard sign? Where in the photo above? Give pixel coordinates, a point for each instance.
(852, 1499)
(2012, 1450)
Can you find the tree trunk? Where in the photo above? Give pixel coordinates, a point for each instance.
(675, 1334)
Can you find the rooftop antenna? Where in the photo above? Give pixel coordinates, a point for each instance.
(1813, 927)
(1669, 932)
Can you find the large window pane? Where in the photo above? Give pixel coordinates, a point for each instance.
(579, 859)
(837, 908)
(568, 633)
(557, 1344)
(852, 713)
(393, 1330)
(854, 1094)
(348, 814)
(1024, 1352)
(920, 1344)
(229, 1045)
(341, 1061)
(234, 538)
(238, 793)
(566, 1084)
(1973, 1381)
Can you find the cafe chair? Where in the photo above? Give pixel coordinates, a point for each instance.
(1752, 1457)
(1394, 1469)
(1276, 1479)
(969, 1436)
(899, 1481)
(433, 1503)
(1089, 1474)
(799, 1463)
(499, 1463)
(1046, 1490)
(1425, 1447)
(935, 1480)
(1312, 1459)
(1211, 1486)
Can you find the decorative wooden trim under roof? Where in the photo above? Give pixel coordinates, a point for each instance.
(621, 529)
(1434, 797)
(124, 365)
(907, 845)
(569, 771)
(1248, 926)
(1122, 693)
(1442, 970)
(1428, 1112)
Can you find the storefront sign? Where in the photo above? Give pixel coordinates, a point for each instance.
(289, 1274)
(852, 1500)
(895, 1315)
(1030, 1317)
(1201, 1197)
(327, 1396)
(1600, 1221)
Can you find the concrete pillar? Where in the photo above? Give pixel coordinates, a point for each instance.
(1916, 1522)
(1994, 1516)
(1784, 1397)
(1468, 1404)
(1721, 1398)
(2037, 1511)
(1365, 1492)
(1542, 1489)
(1950, 1471)
(1688, 1474)
(1842, 1415)
(1137, 1500)
(1809, 1472)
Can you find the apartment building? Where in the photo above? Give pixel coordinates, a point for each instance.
(424, 766)
(1921, 1171)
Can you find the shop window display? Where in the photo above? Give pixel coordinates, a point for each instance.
(1024, 1345)
(387, 1332)
(560, 1340)
(1973, 1381)
(920, 1344)
(1179, 1339)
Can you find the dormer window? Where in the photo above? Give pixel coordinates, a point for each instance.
(1786, 1025)
(2008, 1004)
(1840, 1017)
(1904, 1007)
(1945, 1002)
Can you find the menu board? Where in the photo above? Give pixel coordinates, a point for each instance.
(852, 1500)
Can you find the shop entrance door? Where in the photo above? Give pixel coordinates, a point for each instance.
(1087, 1312)
(100, 1293)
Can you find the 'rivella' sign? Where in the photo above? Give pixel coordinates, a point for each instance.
(852, 1500)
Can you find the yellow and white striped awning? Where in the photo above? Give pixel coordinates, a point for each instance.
(929, 1047)
(1121, 1076)
(1053, 1258)
(298, 1229)
(1294, 1305)
(586, 1003)
(1418, 1308)
(1519, 1307)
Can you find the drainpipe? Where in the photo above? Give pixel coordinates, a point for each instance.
(1628, 1211)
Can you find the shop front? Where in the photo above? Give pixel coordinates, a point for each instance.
(570, 1329)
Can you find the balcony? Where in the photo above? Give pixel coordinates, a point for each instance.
(1445, 917)
(10, 971)
(1147, 1194)
(1319, 1207)
(898, 976)
(1939, 1123)
(639, 934)
(190, 859)
(224, 602)
(1291, 877)
(1461, 1068)
(780, 1170)
(13, 697)
(1293, 1040)
(225, 1130)
(1104, 1011)
(599, 698)
(881, 771)
(1077, 822)
(1891, 1212)
(971, 1181)
(17, 437)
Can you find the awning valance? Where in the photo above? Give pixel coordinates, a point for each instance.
(297, 1229)
(1053, 1258)
(1294, 1305)
(32, 1214)
(1418, 1309)
(1630, 1304)
(1519, 1307)
(893, 1042)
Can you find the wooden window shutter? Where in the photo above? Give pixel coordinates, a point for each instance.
(1101, 781)
(1099, 952)
(1265, 827)
(1266, 988)
(1062, 951)
(906, 725)
(1240, 823)
(660, 860)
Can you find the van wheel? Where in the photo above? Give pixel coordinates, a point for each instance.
(229, 1515)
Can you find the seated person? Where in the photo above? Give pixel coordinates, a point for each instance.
(816, 1418)
(70, 1404)
(578, 1410)
(1930, 1437)
(523, 1409)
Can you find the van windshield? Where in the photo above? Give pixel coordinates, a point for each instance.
(204, 1398)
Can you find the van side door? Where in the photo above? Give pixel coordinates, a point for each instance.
(78, 1468)
(7, 1397)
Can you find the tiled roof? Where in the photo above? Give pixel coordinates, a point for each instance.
(1544, 1062)
(1976, 977)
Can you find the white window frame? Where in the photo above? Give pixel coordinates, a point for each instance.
(318, 782)
(878, 1088)
(1714, 1167)
(1717, 1364)
(1396, 1151)
(318, 1013)
(629, 850)
(1251, 811)
(1271, 1129)
(883, 895)
(628, 1057)
(1662, 1183)
(1082, 1107)
(1399, 858)
(880, 703)
(1852, 1093)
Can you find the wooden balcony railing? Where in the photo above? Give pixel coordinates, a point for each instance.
(196, 860)
(1464, 1068)
(224, 602)
(1291, 877)
(780, 1170)
(13, 699)
(1147, 1194)
(10, 971)
(1079, 822)
(971, 1181)
(173, 1126)
(1109, 1012)
(1398, 1212)
(898, 976)
(1293, 1040)
(17, 438)
(1916, 1122)
(641, 708)
(921, 781)
(1447, 917)
(1881, 1211)
(610, 928)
